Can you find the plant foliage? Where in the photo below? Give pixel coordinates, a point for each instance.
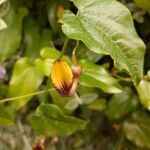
(105, 46)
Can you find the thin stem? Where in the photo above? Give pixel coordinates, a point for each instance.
(24, 96)
(74, 58)
(64, 48)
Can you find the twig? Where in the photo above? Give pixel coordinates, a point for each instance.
(24, 96)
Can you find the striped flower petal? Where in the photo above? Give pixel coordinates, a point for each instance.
(62, 77)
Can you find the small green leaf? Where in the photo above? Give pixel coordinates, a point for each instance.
(61, 101)
(48, 54)
(96, 76)
(98, 105)
(5, 117)
(144, 4)
(72, 104)
(120, 104)
(25, 80)
(10, 44)
(106, 26)
(44, 65)
(50, 120)
(52, 53)
(137, 129)
(88, 97)
(144, 92)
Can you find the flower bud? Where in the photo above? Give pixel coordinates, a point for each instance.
(65, 79)
(62, 77)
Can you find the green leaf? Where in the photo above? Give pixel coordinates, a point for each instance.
(137, 129)
(10, 44)
(52, 53)
(48, 54)
(144, 92)
(72, 104)
(33, 40)
(98, 105)
(25, 80)
(83, 99)
(120, 104)
(144, 4)
(5, 117)
(50, 120)
(106, 26)
(96, 76)
(61, 101)
(88, 97)
(44, 66)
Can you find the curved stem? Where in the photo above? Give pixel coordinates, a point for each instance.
(24, 96)
(74, 58)
(64, 48)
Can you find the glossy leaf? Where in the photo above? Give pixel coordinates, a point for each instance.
(44, 66)
(52, 53)
(96, 76)
(106, 26)
(50, 120)
(10, 44)
(144, 92)
(25, 80)
(137, 129)
(120, 104)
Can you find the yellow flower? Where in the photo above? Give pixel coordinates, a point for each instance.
(62, 77)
